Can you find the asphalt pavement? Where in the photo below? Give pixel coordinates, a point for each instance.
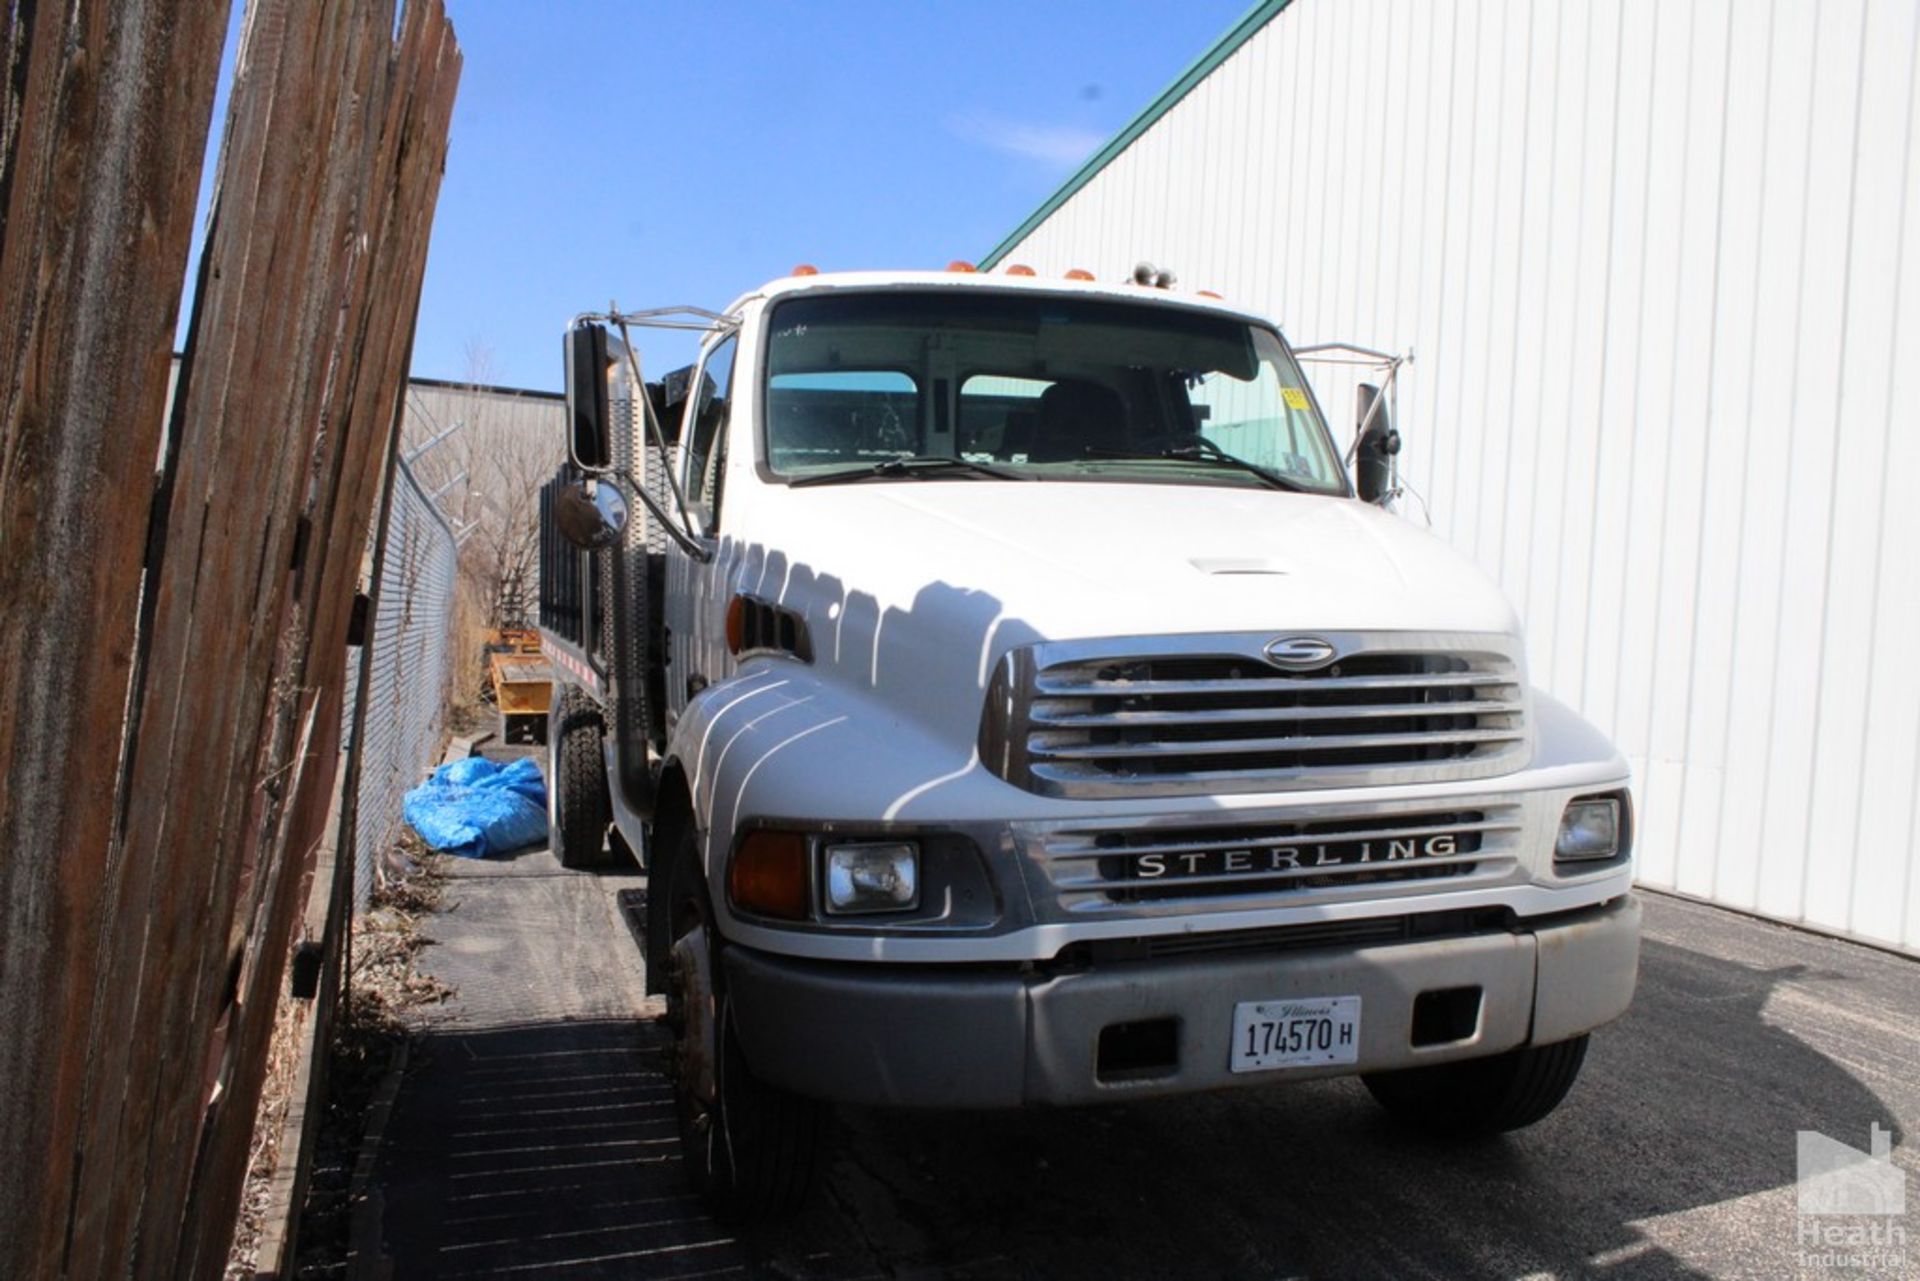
(533, 1134)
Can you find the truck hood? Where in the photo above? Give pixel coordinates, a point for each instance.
(1017, 562)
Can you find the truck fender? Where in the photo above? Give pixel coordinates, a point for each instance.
(782, 740)
(672, 818)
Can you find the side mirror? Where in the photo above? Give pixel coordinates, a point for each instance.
(1379, 443)
(591, 515)
(588, 440)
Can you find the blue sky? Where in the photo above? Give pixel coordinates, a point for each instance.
(651, 154)
(661, 154)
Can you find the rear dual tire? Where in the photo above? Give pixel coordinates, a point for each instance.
(579, 809)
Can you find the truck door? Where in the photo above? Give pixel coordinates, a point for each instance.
(696, 642)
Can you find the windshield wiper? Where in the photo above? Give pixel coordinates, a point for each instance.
(1202, 450)
(925, 465)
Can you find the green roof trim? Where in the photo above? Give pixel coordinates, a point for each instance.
(1242, 31)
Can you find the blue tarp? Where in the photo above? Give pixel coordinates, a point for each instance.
(478, 807)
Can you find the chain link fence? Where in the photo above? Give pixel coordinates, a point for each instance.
(411, 663)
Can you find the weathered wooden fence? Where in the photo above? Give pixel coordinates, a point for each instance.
(172, 648)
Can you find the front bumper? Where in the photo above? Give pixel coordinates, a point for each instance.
(935, 1036)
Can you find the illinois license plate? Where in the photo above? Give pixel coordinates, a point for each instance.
(1295, 1032)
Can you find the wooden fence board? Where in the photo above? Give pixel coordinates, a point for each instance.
(232, 690)
(367, 393)
(193, 763)
(98, 214)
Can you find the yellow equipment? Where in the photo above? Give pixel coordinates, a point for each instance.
(522, 683)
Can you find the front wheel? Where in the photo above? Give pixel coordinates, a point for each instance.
(1481, 1096)
(750, 1147)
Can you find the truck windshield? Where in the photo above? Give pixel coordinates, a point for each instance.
(1037, 386)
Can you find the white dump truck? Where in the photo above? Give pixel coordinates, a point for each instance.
(1014, 700)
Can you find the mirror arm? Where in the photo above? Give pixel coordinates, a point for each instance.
(696, 319)
(654, 430)
(699, 320)
(689, 544)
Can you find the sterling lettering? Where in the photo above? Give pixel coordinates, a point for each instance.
(1254, 860)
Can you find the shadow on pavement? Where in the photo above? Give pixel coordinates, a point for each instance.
(1691, 1101)
(542, 1148)
(549, 1148)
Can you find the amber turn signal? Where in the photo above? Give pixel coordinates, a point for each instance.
(736, 624)
(768, 876)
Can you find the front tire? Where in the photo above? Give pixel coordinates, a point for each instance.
(579, 810)
(1477, 1097)
(751, 1148)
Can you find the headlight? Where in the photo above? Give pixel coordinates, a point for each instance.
(872, 876)
(1590, 829)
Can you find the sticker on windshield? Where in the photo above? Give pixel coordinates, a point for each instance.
(1295, 398)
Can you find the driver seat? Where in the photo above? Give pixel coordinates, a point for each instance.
(1074, 417)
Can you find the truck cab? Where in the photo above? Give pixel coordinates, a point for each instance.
(1014, 701)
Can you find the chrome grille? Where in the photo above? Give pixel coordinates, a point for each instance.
(1213, 714)
(1274, 859)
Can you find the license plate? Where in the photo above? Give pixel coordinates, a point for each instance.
(1295, 1032)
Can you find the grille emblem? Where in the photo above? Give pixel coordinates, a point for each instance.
(1299, 652)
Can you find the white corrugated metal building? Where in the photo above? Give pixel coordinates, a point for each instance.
(1657, 264)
